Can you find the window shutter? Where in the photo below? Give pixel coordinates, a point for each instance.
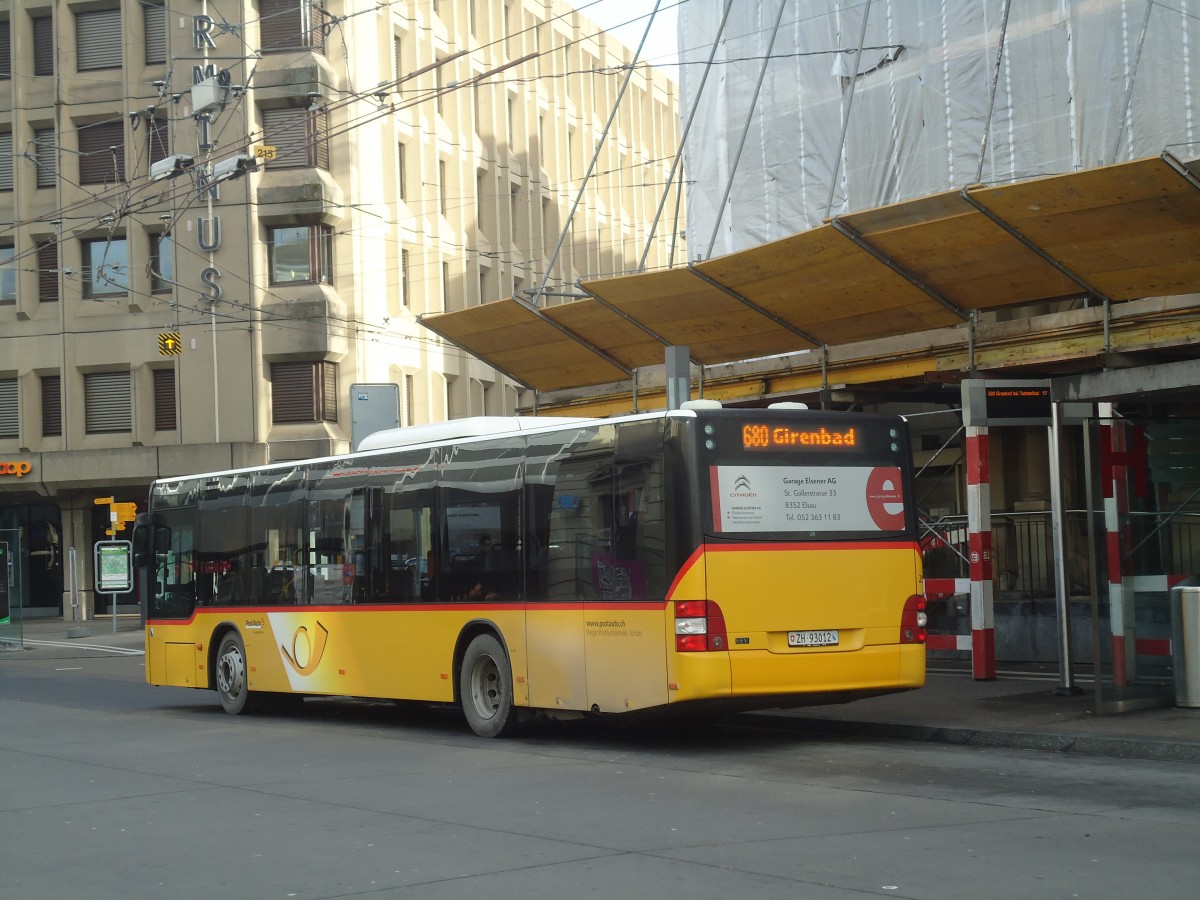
(5, 51)
(164, 400)
(96, 164)
(98, 39)
(47, 263)
(293, 392)
(329, 391)
(287, 131)
(108, 402)
(51, 406)
(318, 131)
(45, 154)
(290, 25)
(6, 161)
(9, 420)
(154, 18)
(43, 45)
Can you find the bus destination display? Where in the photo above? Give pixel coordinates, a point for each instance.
(760, 436)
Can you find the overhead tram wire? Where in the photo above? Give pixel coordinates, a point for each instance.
(683, 138)
(127, 189)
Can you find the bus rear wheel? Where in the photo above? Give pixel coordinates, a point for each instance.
(485, 687)
(230, 674)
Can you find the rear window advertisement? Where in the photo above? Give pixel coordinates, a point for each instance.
(868, 499)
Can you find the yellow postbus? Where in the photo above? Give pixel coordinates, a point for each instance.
(701, 560)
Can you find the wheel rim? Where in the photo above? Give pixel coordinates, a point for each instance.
(485, 687)
(231, 672)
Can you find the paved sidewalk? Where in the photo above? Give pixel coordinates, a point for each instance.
(1016, 711)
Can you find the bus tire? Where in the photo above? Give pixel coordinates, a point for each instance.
(229, 674)
(485, 687)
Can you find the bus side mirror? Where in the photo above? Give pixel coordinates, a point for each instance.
(141, 546)
(162, 540)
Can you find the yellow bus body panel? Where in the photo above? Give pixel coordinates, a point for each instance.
(765, 591)
(604, 657)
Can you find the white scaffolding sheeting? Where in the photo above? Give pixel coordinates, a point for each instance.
(1080, 84)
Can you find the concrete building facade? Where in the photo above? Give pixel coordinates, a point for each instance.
(214, 221)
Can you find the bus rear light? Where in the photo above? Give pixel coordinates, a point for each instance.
(691, 626)
(691, 643)
(913, 620)
(699, 626)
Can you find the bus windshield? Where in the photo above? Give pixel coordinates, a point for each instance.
(796, 475)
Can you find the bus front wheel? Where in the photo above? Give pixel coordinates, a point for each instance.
(230, 674)
(485, 685)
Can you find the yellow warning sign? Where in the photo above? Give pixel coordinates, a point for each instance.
(170, 343)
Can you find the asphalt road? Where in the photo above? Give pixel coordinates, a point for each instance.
(110, 788)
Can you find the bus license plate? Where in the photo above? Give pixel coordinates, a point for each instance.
(812, 638)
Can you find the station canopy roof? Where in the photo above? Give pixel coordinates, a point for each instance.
(1115, 233)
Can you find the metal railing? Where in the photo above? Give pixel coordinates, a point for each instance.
(1023, 549)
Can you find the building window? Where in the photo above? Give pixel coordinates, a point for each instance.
(154, 19)
(45, 157)
(404, 288)
(162, 263)
(164, 400)
(8, 274)
(51, 406)
(409, 401)
(303, 392)
(98, 39)
(43, 45)
(442, 186)
(102, 153)
(445, 286)
(6, 161)
(290, 25)
(47, 264)
(105, 267)
(9, 419)
(402, 178)
(298, 136)
(107, 402)
(5, 51)
(300, 254)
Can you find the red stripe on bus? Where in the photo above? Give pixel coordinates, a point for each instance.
(814, 545)
(579, 605)
(715, 492)
(683, 570)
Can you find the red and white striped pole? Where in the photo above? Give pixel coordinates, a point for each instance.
(979, 543)
(1116, 506)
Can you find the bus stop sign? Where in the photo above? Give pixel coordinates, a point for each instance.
(114, 567)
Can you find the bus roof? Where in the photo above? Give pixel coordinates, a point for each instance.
(476, 426)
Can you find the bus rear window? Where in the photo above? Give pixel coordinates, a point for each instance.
(801, 498)
(807, 475)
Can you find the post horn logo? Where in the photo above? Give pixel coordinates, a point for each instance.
(306, 652)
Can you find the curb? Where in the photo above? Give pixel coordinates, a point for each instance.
(1059, 742)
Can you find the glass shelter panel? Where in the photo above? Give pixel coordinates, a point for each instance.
(1148, 485)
